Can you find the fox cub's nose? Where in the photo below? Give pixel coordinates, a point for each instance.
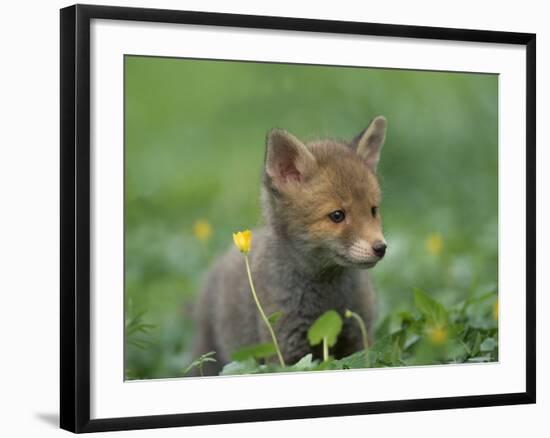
(379, 249)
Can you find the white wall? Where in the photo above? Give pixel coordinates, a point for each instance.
(29, 215)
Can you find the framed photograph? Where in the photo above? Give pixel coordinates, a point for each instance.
(269, 218)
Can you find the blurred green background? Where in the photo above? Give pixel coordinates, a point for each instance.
(194, 145)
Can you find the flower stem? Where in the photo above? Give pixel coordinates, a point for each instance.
(362, 327)
(325, 349)
(281, 360)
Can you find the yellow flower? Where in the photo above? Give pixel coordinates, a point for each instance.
(438, 335)
(202, 229)
(495, 310)
(434, 244)
(243, 240)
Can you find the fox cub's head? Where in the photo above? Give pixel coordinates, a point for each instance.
(324, 196)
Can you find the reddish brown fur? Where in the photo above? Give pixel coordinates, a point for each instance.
(340, 179)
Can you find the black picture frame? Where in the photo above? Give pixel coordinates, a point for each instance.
(75, 217)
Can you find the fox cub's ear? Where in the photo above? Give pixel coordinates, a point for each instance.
(287, 159)
(370, 141)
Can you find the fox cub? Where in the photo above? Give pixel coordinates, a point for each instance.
(322, 230)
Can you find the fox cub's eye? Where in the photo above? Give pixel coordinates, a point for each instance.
(337, 216)
(374, 211)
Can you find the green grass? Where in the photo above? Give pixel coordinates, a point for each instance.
(432, 334)
(195, 133)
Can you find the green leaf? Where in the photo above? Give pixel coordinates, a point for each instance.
(206, 357)
(466, 348)
(382, 344)
(488, 344)
(433, 311)
(356, 360)
(328, 325)
(306, 363)
(274, 317)
(257, 351)
(477, 344)
(478, 298)
(141, 344)
(249, 366)
(480, 359)
(393, 355)
(410, 340)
